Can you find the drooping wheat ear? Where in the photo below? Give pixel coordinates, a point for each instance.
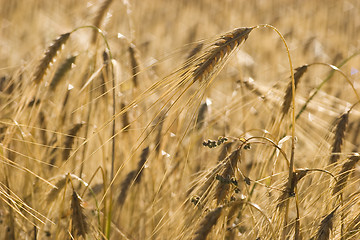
(233, 216)
(79, 226)
(60, 73)
(209, 180)
(250, 85)
(288, 95)
(339, 137)
(99, 17)
(325, 227)
(134, 63)
(207, 63)
(49, 57)
(353, 229)
(54, 192)
(70, 138)
(134, 175)
(125, 186)
(207, 224)
(223, 187)
(344, 173)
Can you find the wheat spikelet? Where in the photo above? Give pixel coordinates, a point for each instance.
(99, 17)
(219, 50)
(339, 137)
(288, 95)
(49, 57)
(344, 173)
(326, 225)
(207, 224)
(79, 226)
(222, 187)
(60, 73)
(70, 140)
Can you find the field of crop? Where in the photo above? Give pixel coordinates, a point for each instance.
(204, 119)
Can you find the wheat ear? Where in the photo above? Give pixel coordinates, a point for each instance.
(133, 176)
(79, 226)
(54, 192)
(344, 173)
(339, 137)
(70, 140)
(99, 17)
(223, 187)
(49, 57)
(60, 73)
(288, 95)
(201, 115)
(134, 63)
(353, 228)
(207, 224)
(206, 66)
(326, 225)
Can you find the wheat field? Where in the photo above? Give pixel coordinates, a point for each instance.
(183, 119)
